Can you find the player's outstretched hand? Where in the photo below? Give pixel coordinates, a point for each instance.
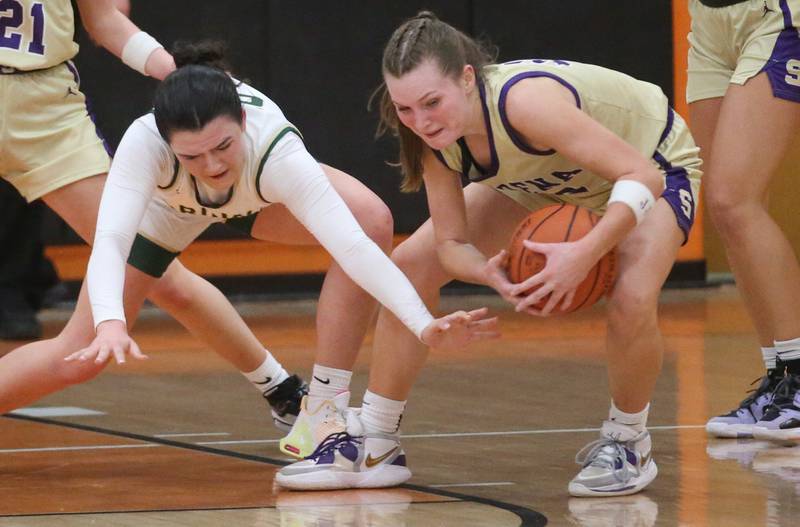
(112, 339)
(456, 330)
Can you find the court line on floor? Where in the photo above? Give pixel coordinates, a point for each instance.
(486, 484)
(270, 441)
(529, 517)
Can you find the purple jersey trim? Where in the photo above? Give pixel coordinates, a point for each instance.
(89, 110)
(668, 127)
(787, 47)
(513, 134)
(677, 179)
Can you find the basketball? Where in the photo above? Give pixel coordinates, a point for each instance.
(559, 223)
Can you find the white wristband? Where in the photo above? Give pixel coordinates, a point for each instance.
(635, 195)
(138, 49)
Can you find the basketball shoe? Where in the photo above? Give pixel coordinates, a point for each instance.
(781, 420)
(739, 422)
(349, 459)
(284, 401)
(617, 464)
(313, 425)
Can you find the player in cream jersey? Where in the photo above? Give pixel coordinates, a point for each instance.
(37, 34)
(634, 110)
(526, 134)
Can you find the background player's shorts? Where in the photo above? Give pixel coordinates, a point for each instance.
(47, 137)
(734, 43)
(164, 233)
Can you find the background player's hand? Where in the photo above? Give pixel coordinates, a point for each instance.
(496, 277)
(566, 266)
(456, 330)
(112, 339)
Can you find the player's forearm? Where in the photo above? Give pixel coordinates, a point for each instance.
(111, 29)
(463, 261)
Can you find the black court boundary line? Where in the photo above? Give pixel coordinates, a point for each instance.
(529, 517)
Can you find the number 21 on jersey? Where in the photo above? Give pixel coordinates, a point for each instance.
(12, 17)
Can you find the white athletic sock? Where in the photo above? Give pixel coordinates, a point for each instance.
(788, 350)
(327, 383)
(379, 414)
(267, 376)
(637, 421)
(770, 355)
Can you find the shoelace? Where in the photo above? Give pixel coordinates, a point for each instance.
(754, 394)
(332, 442)
(783, 396)
(603, 453)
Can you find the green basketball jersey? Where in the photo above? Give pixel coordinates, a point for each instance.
(36, 34)
(634, 110)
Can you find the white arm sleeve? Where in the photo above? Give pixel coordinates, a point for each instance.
(294, 178)
(139, 160)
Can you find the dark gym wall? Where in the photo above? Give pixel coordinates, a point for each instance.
(320, 61)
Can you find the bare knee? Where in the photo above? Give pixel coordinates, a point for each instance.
(376, 219)
(632, 310)
(732, 211)
(421, 268)
(171, 293)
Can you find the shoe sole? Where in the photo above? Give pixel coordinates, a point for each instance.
(786, 436)
(582, 491)
(385, 476)
(726, 431)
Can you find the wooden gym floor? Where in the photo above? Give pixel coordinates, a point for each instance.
(490, 432)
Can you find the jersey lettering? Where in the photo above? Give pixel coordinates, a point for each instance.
(793, 72)
(687, 202)
(252, 100)
(11, 18)
(183, 209)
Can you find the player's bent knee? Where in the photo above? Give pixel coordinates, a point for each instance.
(421, 268)
(377, 221)
(630, 305)
(168, 293)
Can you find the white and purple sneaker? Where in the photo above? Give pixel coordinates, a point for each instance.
(739, 423)
(617, 464)
(781, 420)
(349, 460)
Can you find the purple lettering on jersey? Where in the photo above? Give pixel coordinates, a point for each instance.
(10, 21)
(37, 44)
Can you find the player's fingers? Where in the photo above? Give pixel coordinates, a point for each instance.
(552, 302)
(136, 353)
(119, 354)
(568, 298)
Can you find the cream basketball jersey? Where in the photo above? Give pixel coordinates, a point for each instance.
(265, 126)
(36, 34)
(634, 110)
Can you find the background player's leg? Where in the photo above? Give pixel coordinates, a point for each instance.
(751, 137)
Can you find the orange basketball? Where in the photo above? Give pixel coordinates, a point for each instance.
(559, 223)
